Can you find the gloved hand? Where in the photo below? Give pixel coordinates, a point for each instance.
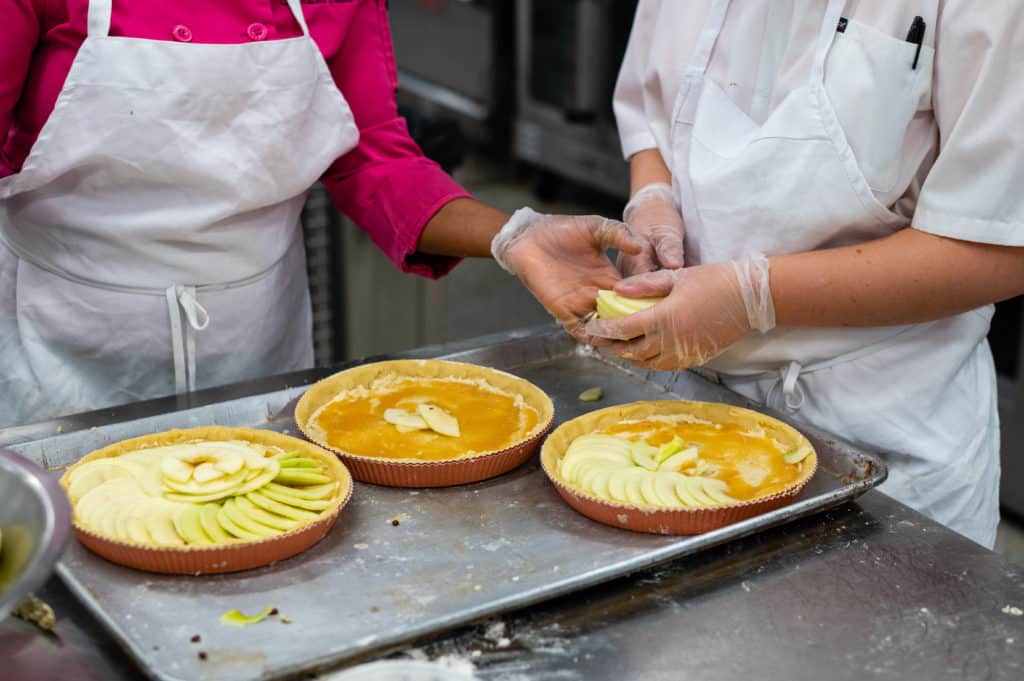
(706, 309)
(654, 217)
(561, 259)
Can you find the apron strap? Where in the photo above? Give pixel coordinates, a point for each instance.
(182, 300)
(708, 36)
(792, 392)
(99, 18)
(827, 34)
(296, 9)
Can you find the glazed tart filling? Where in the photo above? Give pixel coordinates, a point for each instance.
(200, 493)
(431, 419)
(680, 461)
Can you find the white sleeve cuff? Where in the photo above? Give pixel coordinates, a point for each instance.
(985, 231)
(638, 141)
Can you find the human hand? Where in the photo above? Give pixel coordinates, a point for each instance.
(706, 309)
(653, 216)
(561, 259)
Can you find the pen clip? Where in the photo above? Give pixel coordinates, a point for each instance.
(916, 35)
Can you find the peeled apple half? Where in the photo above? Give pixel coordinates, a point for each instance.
(610, 305)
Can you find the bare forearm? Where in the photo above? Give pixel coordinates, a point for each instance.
(647, 167)
(911, 276)
(463, 228)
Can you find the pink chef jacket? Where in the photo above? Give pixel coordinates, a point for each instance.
(385, 185)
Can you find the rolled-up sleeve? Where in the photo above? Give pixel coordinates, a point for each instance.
(18, 39)
(975, 189)
(631, 115)
(385, 185)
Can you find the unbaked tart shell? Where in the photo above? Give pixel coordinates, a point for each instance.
(413, 472)
(660, 520)
(240, 555)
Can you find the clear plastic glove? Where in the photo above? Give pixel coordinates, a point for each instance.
(653, 216)
(561, 259)
(707, 308)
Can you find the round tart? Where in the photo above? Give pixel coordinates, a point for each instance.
(205, 500)
(676, 467)
(425, 423)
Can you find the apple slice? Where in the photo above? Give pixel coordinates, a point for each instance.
(205, 472)
(600, 483)
(188, 527)
(405, 420)
(667, 450)
(315, 492)
(617, 485)
(292, 476)
(717, 490)
(91, 475)
(220, 485)
(682, 489)
(247, 523)
(439, 420)
(611, 305)
(229, 526)
(261, 477)
(665, 486)
(259, 515)
(160, 525)
(799, 454)
(644, 455)
(696, 487)
(299, 462)
(287, 498)
(208, 514)
(679, 460)
(634, 494)
(175, 469)
(273, 506)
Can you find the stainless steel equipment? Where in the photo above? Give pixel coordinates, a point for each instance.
(456, 56)
(34, 522)
(458, 554)
(568, 56)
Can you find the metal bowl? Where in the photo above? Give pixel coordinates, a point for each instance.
(35, 519)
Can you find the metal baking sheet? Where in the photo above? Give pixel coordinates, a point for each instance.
(458, 554)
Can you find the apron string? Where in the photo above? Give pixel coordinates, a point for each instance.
(296, 9)
(182, 300)
(99, 18)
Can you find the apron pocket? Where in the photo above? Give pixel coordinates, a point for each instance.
(875, 92)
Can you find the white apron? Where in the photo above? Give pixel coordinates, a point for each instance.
(151, 242)
(923, 394)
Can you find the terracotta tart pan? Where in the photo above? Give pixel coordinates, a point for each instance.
(411, 471)
(241, 555)
(660, 520)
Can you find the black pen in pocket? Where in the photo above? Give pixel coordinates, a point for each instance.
(916, 35)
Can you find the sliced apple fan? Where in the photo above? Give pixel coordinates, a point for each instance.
(613, 468)
(427, 416)
(203, 494)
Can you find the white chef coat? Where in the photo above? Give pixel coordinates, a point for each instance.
(956, 151)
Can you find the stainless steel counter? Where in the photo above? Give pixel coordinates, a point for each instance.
(867, 590)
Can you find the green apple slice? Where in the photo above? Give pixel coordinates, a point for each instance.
(287, 498)
(589, 471)
(291, 476)
(683, 492)
(634, 481)
(286, 455)
(669, 449)
(240, 619)
(644, 455)
(717, 490)
(404, 420)
(204, 473)
(145, 470)
(799, 454)
(649, 490)
(135, 525)
(228, 461)
(239, 517)
(617, 485)
(188, 527)
(271, 469)
(160, 525)
(665, 486)
(439, 420)
(175, 469)
(600, 483)
(300, 462)
(259, 515)
(679, 460)
(273, 506)
(696, 487)
(227, 484)
(315, 492)
(208, 514)
(92, 474)
(225, 521)
(611, 305)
